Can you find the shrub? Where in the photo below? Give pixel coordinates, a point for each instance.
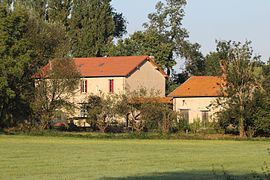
(262, 123)
(180, 124)
(195, 126)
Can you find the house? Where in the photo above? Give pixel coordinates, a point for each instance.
(194, 97)
(109, 75)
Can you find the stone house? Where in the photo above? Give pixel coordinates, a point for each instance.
(194, 97)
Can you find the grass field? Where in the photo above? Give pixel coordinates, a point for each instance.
(26, 157)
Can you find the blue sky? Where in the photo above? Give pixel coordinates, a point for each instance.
(210, 20)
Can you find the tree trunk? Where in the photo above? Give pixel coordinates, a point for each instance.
(242, 131)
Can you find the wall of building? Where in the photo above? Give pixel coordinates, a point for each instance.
(147, 77)
(97, 86)
(195, 105)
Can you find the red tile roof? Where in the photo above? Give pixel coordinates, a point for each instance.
(199, 86)
(121, 66)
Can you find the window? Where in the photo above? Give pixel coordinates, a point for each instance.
(184, 113)
(205, 116)
(111, 86)
(83, 110)
(84, 86)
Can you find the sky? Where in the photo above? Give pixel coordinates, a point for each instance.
(210, 20)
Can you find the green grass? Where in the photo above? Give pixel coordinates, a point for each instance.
(29, 157)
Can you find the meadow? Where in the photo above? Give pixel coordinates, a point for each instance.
(33, 157)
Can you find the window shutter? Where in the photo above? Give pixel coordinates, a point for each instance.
(81, 86)
(112, 86)
(85, 86)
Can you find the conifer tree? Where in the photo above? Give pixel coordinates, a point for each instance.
(93, 28)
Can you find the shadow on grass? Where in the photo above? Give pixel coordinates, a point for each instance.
(197, 175)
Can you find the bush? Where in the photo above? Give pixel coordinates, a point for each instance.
(195, 126)
(25, 127)
(181, 124)
(115, 128)
(262, 124)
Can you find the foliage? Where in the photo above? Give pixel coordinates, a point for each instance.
(158, 116)
(93, 27)
(144, 43)
(54, 90)
(181, 124)
(146, 112)
(241, 82)
(90, 24)
(15, 57)
(212, 64)
(164, 38)
(141, 112)
(102, 110)
(59, 11)
(195, 126)
(262, 114)
(26, 45)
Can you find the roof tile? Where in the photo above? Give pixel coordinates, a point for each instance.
(199, 86)
(109, 66)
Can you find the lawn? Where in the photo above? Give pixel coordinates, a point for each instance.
(28, 157)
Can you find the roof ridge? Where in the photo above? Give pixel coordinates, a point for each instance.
(108, 57)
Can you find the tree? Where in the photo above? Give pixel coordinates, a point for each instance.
(15, 57)
(93, 27)
(144, 111)
(212, 64)
(27, 43)
(102, 110)
(262, 114)
(60, 11)
(54, 90)
(165, 39)
(167, 22)
(241, 82)
(39, 6)
(143, 43)
(213, 59)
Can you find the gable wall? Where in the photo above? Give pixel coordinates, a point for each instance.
(147, 77)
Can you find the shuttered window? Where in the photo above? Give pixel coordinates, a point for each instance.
(84, 86)
(111, 86)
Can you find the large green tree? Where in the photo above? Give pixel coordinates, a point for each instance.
(15, 57)
(39, 6)
(93, 27)
(55, 89)
(213, 59)
(242, 80)
(165, 38)
(26, 45)
(91, 24)
(261, 115)
(49, 10)
(60, 11)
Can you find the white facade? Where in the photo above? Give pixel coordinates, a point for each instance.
(146, 76)
(196, 108)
